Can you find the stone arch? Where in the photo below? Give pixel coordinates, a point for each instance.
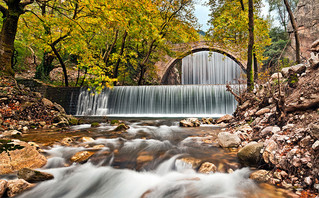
(169, 62)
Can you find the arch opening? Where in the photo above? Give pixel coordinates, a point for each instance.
(203, 66)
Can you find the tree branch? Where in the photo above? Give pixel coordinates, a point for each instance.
(27, 2)
(3, 10)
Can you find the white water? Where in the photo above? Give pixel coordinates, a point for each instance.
(209, 68)
(158, 101)
(166, 176)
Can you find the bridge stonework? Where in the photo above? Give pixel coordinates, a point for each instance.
(182, 50)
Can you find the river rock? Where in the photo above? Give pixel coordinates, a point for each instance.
(33, 176)
(315, 146)
(262, 111)
(314, 130)
(250, 154)
(261, 176)
(67, 141)
(227, 140)
(144, 157)
(82, 156)
(86, 139)
(27, 157)
(11, 133)
(207, 167)
(270, 151)
(3, 186)
(121, 127)
(47, 102)
(16, 187)
(189, 122)
(269, 131)
(226, 118)
(315, 46)
(191, 161)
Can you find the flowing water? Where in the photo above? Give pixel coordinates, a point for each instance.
(158, 101)
(153, 159)
(210, 68)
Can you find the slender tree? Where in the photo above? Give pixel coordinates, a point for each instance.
(250, 75)
(295, 28)
(11, 15)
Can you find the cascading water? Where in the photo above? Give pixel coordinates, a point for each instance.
(158, 101)
(209, 100)
(209, 68)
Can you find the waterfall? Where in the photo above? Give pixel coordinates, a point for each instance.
(209, 68)
(158, 101)
(207, 72)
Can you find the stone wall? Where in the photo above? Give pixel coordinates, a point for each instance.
(307, 17)
(67, 97)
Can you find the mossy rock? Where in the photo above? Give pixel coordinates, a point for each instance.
(95, 124)
(73, 121)
(113, 122)
(121, 127)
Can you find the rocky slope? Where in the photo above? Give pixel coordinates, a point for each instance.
(278, 126)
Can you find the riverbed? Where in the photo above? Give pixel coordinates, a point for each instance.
(153, 158)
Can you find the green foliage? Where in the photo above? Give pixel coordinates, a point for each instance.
(279, 8)
(113, 122)
(229, 27)
(8, 145)
(279, 39)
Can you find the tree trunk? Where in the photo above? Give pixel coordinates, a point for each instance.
(8, 33)
(295, 28)
(116, 69)
(255, 68)
(250, 76)
(66, 82)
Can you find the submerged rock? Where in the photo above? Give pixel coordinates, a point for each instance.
(191, 161)
(250, 154)
(33, 176)
(227, 140)
(207, 167)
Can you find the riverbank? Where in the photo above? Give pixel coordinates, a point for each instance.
(281, 129)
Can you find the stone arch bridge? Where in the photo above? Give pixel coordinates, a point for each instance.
(182, 50)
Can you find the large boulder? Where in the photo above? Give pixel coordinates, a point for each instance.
(27, 157)
(33, 176)
(250, 154)
(226, 118)
(16, 187)
(227, 140)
